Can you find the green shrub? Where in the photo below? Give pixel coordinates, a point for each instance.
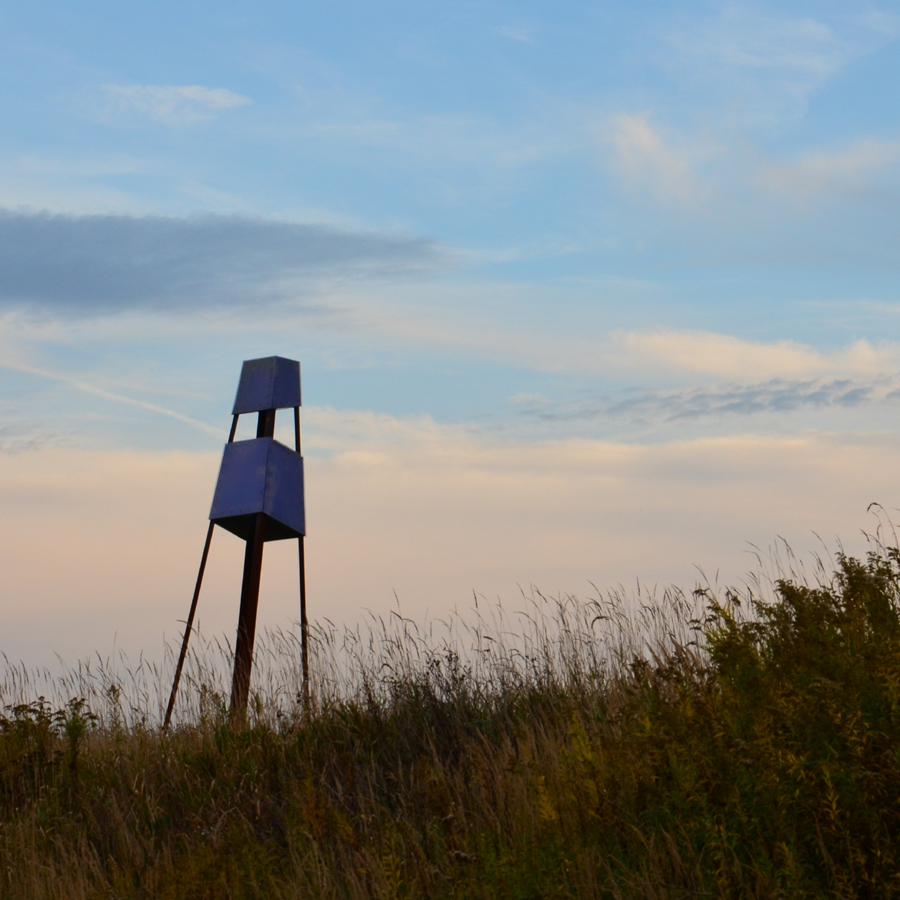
(754, 752)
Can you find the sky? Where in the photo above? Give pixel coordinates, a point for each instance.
(586, 295)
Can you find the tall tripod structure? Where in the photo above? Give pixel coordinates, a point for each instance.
(258, 497)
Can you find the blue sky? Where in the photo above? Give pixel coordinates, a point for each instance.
(646, 254)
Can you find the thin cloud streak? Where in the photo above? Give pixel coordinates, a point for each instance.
(88, 388)
(187, 104)
(666, 407)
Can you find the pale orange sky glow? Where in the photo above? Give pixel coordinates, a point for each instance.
(103, 545)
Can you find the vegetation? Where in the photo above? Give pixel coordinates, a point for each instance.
(736, 747)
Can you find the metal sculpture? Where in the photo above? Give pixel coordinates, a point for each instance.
(259, 498)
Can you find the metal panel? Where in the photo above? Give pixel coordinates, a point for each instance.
(269, 383)
(241, 488)
(286, 390)
(284, 488)
(260, 475)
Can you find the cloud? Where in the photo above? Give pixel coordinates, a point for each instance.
(726, 174)
(864, 155)
(748, 38)
(624, 354)
(519, 35)
(744, 71)
(821, 172)
(665, 407)
(496, 148)
(87, 265)
(648, 159)
(731, 357)
(169, 104)
(99, 542)
(86, 387)
(17, 438)
(765, 64)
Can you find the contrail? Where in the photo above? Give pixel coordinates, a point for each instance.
(88, 388)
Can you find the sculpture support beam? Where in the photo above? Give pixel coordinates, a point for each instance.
(187, 627)
(246, 633)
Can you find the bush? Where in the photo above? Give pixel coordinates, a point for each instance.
(750, 750)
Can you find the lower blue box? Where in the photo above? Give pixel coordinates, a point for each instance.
(260, 476)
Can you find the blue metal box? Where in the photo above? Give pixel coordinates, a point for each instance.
(269, 383)
(260, 476)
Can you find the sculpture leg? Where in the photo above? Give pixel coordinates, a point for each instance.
(304, 627)
(246, 633)
(187, 629)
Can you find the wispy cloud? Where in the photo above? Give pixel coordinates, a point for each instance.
(720, 174)
(854, 168)
(88, 265)
(767, 62)
(486, 144)
(728, 356)
(86, 387)
(864, 155)
(663, 407)
(658, 162)
(15, 438)
(745, 36)
(519, 35)
(741, 70)
(169, 104)
(626, 354)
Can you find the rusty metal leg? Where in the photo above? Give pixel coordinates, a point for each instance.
(187, 629)
(243, 650)
(304, 627)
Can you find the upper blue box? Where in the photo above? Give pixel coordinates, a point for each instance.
(269, 383)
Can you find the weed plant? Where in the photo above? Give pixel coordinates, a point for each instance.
(742, 745)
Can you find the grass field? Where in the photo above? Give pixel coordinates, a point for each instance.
(684, 746)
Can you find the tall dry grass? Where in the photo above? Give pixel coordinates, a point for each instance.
(742, 744)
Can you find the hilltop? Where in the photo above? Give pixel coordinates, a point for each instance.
(713, 746)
